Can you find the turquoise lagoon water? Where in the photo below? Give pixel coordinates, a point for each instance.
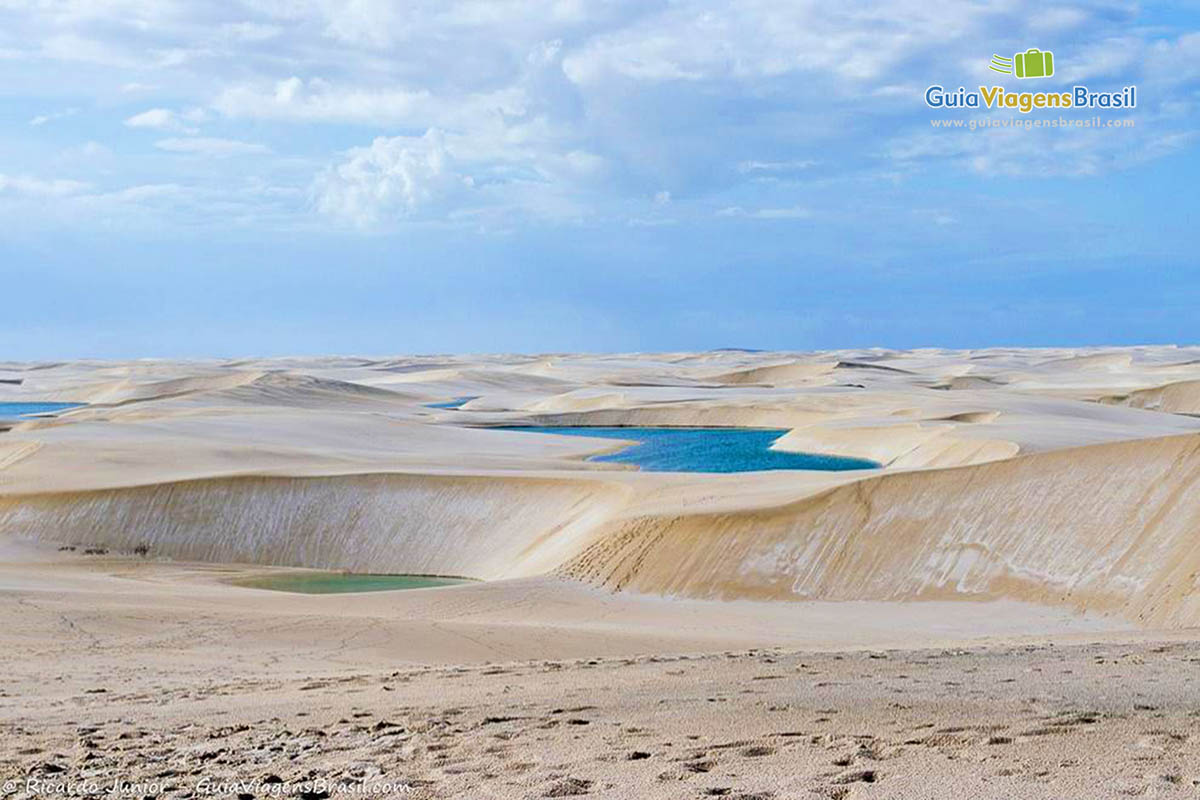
(342, 582)
(703, 449)
(14, 410)
(457, 402)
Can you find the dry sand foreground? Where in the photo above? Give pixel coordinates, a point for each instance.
(1006, 609)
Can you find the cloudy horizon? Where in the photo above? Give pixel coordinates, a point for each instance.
(181, 179)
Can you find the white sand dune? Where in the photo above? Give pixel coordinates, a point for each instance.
(1181, 397)
(1030, 494)
(789, 373)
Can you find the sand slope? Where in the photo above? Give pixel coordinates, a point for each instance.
(1108, 528)
(463, 526)
(1038, 488)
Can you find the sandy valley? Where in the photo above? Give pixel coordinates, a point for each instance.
(1006, 607)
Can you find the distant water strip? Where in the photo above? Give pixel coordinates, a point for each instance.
(457, 402)
(12, 411)
(703, 449)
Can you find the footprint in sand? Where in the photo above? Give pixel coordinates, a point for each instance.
(860, 776)
(758, 751)
(569, 787)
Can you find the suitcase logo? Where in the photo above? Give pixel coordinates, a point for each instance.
(1033, 63)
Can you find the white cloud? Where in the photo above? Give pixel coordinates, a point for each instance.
(251, 31)
(488, 176)
(396, 176)
(379, 24)
(372, 23)
(651, 222)
(140, 193)
(207, 146)
(75, 47)
(87, 153)
(316, 100)
(1169, 63)
(168, 205)
(137, 14)
(1101, 59)
(39, 187)
(42, 119)
(699, 40)
(156, 118)
(790, 212)
(777, 166)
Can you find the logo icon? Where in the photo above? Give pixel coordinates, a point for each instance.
(1033, 63)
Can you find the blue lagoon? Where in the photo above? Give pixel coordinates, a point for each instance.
(12, 411)
(703, 449)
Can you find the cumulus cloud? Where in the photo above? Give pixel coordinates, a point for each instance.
(394, 176)
(492, 175)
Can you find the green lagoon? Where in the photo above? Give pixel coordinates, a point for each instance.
(344, 582)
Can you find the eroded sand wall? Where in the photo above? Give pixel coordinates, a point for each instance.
(474, 527)
(1111, 528)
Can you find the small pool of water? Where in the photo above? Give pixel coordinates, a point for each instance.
(12, 411)
(457, 402)
(703, 449)
(343, 582)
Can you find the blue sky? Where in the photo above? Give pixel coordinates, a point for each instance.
(361, 176)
